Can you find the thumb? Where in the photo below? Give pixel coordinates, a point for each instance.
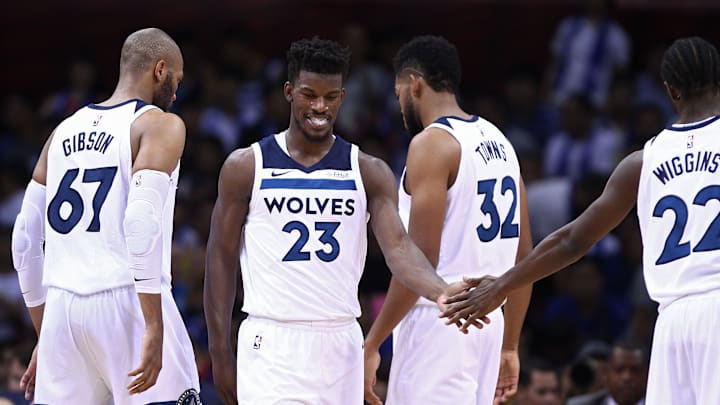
(473, 281)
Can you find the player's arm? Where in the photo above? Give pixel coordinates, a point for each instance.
(28, 237)
(405, 260)
(28, 255)
(221, 265)
(428, 170)
(427, 175)
(161, 143)
(559, 249)
(514, 312)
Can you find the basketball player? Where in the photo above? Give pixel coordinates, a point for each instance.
(463, 202)
(674, 180)
(293, 208)
(101, 198)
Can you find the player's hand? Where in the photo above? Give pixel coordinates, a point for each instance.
(224, 370)
(150, 360)
(27, 381)
(507, 384)
(473, 304)
(372, 362)
(452, 290)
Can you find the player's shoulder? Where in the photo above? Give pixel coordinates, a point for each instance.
(238, 173)
(240, 159)
(157, 117)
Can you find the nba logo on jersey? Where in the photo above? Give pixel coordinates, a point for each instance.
(138, 181)
(97, 120)
(258, 342)
(690, 141)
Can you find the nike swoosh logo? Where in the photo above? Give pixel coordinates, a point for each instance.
(141, 279)
(280, 173)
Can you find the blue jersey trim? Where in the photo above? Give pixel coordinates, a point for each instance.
(308, 184)
(110, 107)
(337, 158)
(446, 120)
(694, 126)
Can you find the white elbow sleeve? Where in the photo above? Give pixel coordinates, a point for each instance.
(27, 244)
(143, 228)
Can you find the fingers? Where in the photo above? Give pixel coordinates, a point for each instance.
(509, 392)
(29, 387)
(25, 379)
(463, 296)
(371, 398)
(146, 378)
(472, 320)
(472, 281)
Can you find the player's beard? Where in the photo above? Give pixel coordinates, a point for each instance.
(411, 118)
(163, 97)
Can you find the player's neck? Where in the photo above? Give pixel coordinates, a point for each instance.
(306, 151)
(128, 90)
(442, 105)
(699, 108)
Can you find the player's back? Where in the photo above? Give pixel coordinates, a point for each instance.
(679, 211)
(304, 241)
(89, 170)
(481, 228)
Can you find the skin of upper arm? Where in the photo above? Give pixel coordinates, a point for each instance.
(525, 242)
(432, 156)
(233, 202)
(613, 205)
(161, 141)
(381, 191)
(40, 171)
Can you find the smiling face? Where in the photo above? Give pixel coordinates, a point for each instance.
(315, 99)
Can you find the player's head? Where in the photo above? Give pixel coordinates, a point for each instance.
(150, 54)
(627, 372)
(316, 71)
(690, 68)
(424, 61)
(538, 384)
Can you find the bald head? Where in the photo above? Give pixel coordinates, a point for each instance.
(143, 48)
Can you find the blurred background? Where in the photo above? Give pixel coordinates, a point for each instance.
(573, 84)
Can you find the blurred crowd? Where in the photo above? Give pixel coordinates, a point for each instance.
(571, 121)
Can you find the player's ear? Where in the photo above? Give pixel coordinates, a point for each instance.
(160, 70)
(287, 89)
(673, 93)
(416, 83)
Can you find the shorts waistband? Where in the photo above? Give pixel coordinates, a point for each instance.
(332, 324)
(691, 297)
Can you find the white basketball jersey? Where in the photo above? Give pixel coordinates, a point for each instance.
(89, 171)
(679, 211)
(481, 230)
(304, 241)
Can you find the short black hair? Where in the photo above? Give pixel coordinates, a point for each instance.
(632, 346)
(692, 66)
(435, 58)
(318, 56)
(530, 365)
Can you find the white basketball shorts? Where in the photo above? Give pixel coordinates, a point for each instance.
(89, 343)
(318, 363)
(435, 364)
(685, 357)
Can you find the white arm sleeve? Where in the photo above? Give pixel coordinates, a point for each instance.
(143, 228)
(27, 244)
